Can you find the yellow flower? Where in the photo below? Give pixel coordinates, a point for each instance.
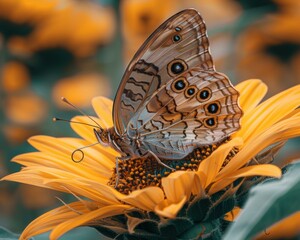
(272, 121)
(53, 23)
(14, 77)
(273, 40)
(72, 87)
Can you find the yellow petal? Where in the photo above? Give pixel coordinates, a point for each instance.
(199, 184)
(169, 209)
(80, 125)
(251, 93)
(50, 219)
(280, 131)
(94, 156)
(266, 170)
(177, 185)
(27, 177)
(212, 165)
(269, 112)
(50, 145)
(145, 199)
(231, 216)
(86, 218)
(83, 168)
(103, 107)
(295, 113)
(83, 187)
(63, 148)
(66, 182)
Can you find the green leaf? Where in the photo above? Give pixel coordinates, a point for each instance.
(147, 225)
(174, 227)
(198, 209)
(220, 209)
(267, 204)
(202, 229)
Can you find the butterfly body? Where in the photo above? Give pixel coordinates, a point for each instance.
(171, 99)
(129, 147)
(125, 145)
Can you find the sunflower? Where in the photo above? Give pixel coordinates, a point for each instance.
(181, 204)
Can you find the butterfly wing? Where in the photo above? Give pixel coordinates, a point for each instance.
(202, 112)
(171, 97)
(177, 45)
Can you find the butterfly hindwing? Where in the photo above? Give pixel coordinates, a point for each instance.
(202, 112)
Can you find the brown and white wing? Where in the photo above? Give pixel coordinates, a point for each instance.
(195, 109)
(178, 45)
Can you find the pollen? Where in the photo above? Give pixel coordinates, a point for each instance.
(139, 173)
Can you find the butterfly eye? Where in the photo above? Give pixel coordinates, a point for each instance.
(179, 85)
(178, 29)
(176, 67)
(210, 122)
(176, 38)
(204, 95)
(213, 108)
(190, 91)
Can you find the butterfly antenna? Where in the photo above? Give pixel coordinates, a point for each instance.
(82, 153)
(82, 112)
(55, 119)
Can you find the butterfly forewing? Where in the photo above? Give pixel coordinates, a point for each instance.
(178, 44)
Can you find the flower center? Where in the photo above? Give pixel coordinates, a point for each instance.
(144, 172)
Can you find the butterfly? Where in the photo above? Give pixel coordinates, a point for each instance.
(171, 99)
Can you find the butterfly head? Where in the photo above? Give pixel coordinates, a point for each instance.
(103, 136)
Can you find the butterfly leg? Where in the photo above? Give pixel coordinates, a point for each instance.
(149, 152)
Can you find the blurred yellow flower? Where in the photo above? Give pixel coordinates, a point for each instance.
(15, 76)
(78, 26)
(273, 40)
(25, 108)
(15, 134)
(264, 124)
(282, 25)
(73, 87)
(140, 18)
(27, 11)
(287, 228)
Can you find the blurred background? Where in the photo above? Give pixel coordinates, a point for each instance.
(79, 49)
